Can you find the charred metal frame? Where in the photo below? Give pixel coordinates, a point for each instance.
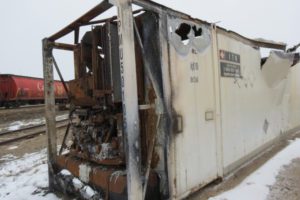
(129, 89)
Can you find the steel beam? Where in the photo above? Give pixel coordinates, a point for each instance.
(63, 46)
(91, 14)
(49, 108)
(129, 99)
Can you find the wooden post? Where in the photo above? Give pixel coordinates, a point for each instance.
(49, 108)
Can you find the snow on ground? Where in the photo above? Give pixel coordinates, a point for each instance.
(256, 186)
(12, 147)
(30, 122)
(25, 178)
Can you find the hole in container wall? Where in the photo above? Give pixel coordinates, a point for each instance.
(264, 54)
(183, 30)
(197, 31)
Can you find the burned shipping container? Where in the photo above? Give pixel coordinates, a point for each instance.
(163, 103)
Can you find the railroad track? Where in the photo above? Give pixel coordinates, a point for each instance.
(23, 107)
(27, 132)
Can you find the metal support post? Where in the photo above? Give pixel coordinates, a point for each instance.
(49, 108)
(130, 99)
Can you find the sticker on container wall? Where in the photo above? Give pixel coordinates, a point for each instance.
(229, 56)
(230, 64)
(230, 70)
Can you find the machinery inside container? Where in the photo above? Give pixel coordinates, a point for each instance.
(96, 154)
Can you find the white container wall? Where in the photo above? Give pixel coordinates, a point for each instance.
(252, 111)
(294, 100)
(223, 79)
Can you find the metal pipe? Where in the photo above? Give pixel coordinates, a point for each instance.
(60, 76)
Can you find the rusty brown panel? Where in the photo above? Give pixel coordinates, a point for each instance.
(79, 68)
(79, 91)
(91, 14)
(99, 177)
(110, 19)
(95, 58)
(148, 129)
(66, 162)
(103, 178)
(101, 93)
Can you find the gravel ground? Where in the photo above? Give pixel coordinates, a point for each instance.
(22, 147)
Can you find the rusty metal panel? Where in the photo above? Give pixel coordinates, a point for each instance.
(192, 97)
(113, 60)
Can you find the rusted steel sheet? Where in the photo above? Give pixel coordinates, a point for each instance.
(63, 46)
(112, 182)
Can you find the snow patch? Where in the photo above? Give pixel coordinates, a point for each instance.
(65, 172)
(8, 157)
(84, 172)
(25, 177)
(87, 192)
(256, 186)
(77, 183)
(12, 147)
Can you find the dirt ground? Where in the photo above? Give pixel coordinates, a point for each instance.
(287, 184)
(35, 144)
(22, 147)
(11, 115)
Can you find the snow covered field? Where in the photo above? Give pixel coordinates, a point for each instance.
(27, 177)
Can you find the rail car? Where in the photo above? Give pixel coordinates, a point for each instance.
(164, 103)
(18, 90)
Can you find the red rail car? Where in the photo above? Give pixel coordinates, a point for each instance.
(17, 90)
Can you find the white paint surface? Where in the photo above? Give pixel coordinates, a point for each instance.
(192, 97)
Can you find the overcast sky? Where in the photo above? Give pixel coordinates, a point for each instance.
(25, 23)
